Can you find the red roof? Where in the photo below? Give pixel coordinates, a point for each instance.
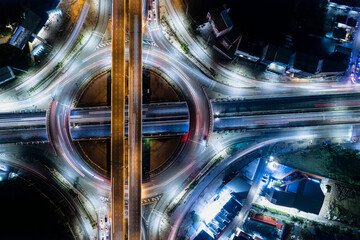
(265, 220)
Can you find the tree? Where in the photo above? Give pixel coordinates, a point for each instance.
(341, 163)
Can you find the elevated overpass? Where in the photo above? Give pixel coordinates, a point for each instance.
(173, 118)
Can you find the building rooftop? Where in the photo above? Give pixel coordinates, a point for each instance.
(250, 46)
(265, 220)
(336, 62)
(203, 236)
(305, 195)
(339, 33)
(220, 21)
(6, 74)
(231, 38)
(351, 22)
(341, 19)
(31, 21)
(307, 62)
(265, 231)
(283, 55)
(24, 31)
(271, 52)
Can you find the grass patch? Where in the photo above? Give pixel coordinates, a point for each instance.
(332, 161)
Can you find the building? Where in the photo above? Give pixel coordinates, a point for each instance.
(339, 33)
(228, 43)
(231, 38)
(6, 74)
(227, 213)
(342, 49)
(351, 22)
(285, 235)
(252, 49)
(265, 220)
(341, 19)
(261, 230)
(220, 21)
(303, 193)
(336, 63)
(203, 235)
(243, 236)
(23, 32)
(307, 63)
(283, 55)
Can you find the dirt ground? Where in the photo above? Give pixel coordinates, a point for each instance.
(96, 93)
(158, 151)
(161, 149)
(342, 203)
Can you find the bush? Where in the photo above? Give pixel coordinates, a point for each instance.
(5, 31)
(306, 234)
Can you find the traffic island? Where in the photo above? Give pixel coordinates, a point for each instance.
(158, 151)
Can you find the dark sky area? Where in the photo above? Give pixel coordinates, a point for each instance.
(10, 10)
(26, 214)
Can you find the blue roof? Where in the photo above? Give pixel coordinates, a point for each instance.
(293, 187)
(203, 236)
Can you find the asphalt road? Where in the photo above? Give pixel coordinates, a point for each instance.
(60, 94)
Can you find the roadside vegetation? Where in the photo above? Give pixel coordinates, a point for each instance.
(310, 230)
(337, 163)
(332, 161)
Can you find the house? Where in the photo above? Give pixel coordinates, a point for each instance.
(23, 32)
(341, 19)
(220, 21)
(203, 236)
(339, 33)
(231, 38)
(251, 47)
(271, 51)
(342, 49)
(351, 22)
(304, 195)
(307, 63)
(285, 235)
(228, 43)
(336, 62)
(6, 74)
(243, 236)
(283, 55)
(265, 220)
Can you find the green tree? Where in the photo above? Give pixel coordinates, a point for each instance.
(306, 234)
(341, 163)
